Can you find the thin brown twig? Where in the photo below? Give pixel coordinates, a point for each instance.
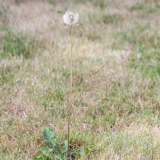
(70, 94)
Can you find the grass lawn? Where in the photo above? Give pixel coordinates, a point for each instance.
(116, 77)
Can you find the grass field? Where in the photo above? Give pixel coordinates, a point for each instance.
(116, 77)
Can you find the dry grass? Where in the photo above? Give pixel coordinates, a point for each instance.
(116, 78)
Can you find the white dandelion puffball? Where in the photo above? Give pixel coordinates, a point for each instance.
(70, 18)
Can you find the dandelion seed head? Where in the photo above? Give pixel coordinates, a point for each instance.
(70, 18)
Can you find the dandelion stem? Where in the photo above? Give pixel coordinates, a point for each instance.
(70, 94)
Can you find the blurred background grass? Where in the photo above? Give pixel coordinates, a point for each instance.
(116, 77)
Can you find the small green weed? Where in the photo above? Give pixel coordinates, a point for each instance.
(54, 150)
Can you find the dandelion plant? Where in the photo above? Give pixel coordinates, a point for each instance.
(70, 19)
